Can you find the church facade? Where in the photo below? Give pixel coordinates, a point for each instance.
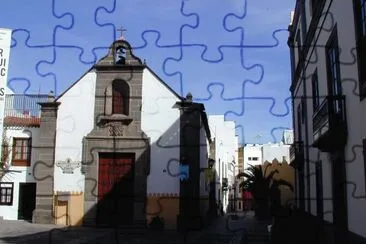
(111, 149)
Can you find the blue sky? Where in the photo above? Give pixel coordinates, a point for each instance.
(231, 55)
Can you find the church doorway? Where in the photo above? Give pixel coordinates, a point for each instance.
(115, 189)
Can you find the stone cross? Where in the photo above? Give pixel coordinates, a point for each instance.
(121, 34)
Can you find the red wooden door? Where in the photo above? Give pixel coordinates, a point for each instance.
(115, 188)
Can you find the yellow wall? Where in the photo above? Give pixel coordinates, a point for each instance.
(286, 172)
(68, 208)
(165, 206)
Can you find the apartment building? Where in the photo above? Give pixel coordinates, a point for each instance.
(327, 43)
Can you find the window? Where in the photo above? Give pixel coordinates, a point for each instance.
(22, 151)
(315, 88)
(298, 45)
(120, 95)
(303, 22)
(319, 188)
(333, 70)
(364, 157)
(299, 127)
(303, 110)
(313, 5)
(360, 21)
(6, 193)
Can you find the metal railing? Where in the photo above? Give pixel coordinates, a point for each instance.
(331, 112)
(296, 149)
(23, 105)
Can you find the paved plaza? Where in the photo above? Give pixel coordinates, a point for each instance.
(245, 229)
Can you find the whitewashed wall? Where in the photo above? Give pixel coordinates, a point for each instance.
(226, 147)
(342, 16)
(75, 119)
(11, 212)
(250, 151)
(356, 205)
(278, 151)
(160, 119)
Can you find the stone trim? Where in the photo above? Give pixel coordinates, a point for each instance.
(163, 195)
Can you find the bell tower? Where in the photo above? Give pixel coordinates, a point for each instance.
(117, 130)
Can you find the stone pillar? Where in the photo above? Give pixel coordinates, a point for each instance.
(43, 169)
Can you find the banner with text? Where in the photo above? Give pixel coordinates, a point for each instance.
(5, 42)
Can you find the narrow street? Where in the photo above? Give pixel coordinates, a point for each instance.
(225, 230)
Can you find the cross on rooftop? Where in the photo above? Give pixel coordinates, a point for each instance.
(121, 30)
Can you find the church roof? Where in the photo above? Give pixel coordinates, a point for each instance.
(131, 62)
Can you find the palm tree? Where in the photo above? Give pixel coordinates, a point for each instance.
(264, 188)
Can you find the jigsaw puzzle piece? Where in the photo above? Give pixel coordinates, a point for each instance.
(280, 18)
(40, 31)
(23, 66)
(210, 24)
(216, 72)
(158, 16)
(54, 69)
(251, 110)
(155, 56)
(84, 28)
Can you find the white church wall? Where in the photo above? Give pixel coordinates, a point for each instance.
(10, 212)
(75, 119)
(160, 121)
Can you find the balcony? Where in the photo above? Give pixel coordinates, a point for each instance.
(23, 110)
(297, 154)
(330, 124)
(225, 184)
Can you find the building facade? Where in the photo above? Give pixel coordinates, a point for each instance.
(119, 147)
(226, 158)
(252, 155)
(279, 151)
(18, 183)
(327, 43)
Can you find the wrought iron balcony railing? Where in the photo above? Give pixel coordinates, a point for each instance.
(329, 120)
(296, 151)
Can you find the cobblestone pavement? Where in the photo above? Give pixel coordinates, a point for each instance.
(223, 230)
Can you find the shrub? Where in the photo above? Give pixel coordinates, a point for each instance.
(157, 223)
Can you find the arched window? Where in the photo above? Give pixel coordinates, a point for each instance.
(120, 94)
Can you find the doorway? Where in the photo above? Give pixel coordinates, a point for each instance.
(27, 200)
(340, 218)
(115, 189)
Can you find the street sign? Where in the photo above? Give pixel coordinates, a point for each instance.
(5, 42)
(184, 172)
